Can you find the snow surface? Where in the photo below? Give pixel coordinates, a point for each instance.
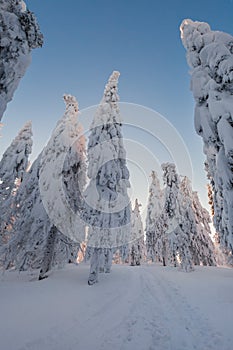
(147, 307)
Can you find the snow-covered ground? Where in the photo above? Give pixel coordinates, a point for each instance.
(138, 308)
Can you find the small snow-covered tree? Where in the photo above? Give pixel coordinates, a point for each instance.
(19, 34)
(137, 245)
(37, 242)
(106, 209)
(153, 229)
(13, 166)
(210, 56)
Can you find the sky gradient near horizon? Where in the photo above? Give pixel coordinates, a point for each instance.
(84, 41)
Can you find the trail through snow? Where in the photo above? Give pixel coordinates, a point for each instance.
(133, 308)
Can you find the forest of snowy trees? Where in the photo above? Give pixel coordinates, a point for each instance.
(35, 235)
(91, 186)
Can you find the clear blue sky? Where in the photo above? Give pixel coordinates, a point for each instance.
(85, 40)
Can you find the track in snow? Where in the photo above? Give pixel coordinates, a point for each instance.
(133, 308)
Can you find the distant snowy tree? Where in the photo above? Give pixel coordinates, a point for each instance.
(187, 227)
(171, 211)
(121, 254)
(204, 245)
(107, 208)
(174, 222)
(19, 34)
(13, 166)
(137, 245)
(210, 56)
(153, 229)
(37, 242)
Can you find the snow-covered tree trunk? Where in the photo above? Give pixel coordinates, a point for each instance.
(18, 36)
(154, 209)
(48, 253)
(13, 165)
(106, 208)
(105, 260)
(95, 265)
(210, 56)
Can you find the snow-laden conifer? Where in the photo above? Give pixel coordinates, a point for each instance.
(13, 166)
(153, 229)
(107, 209)
(137, 245)
(19, 34)
(210, 56)
(170, 212)
(37, 242)
(205, 247)
(187, 249)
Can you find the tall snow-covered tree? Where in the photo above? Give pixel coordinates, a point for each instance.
(37, 242)
(66, 139)
(154, 209)
(107, 209)
(210, 56)
(137, 245)
(13, 166)
(19, 34)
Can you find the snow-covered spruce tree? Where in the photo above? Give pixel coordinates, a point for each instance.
(107, 209)
(170, 212)
(13, 165)
(175, 234)
(66, 139)
(137, 245)
(210, 56)
(25, 249)
(37, 242)
(19, 34)
(154, 209)
(205, 249)
(188, 248)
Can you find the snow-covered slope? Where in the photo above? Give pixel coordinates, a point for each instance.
(146, 307)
